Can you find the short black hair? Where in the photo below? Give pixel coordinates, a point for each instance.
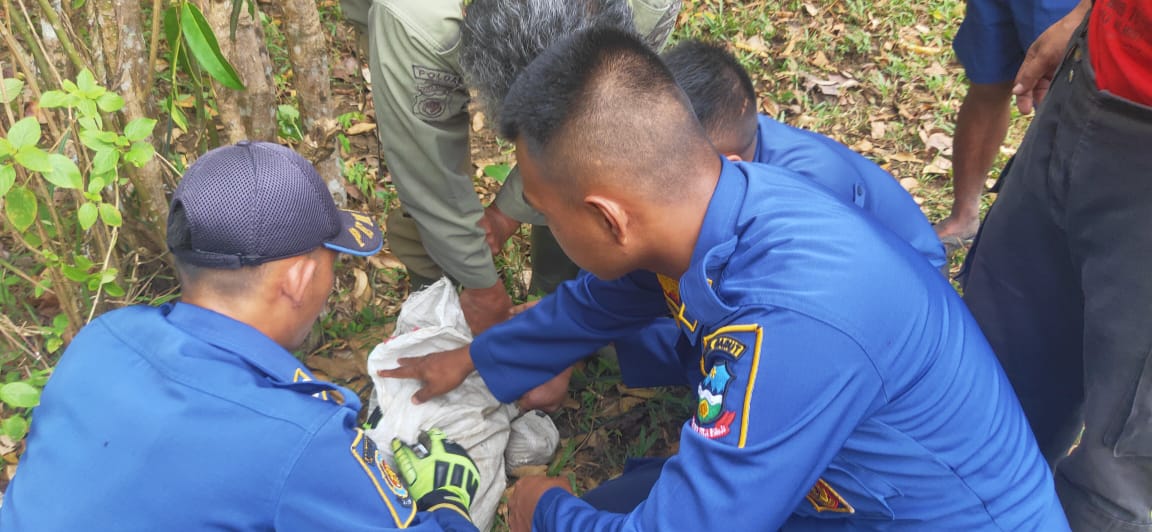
(716, 83)
(602, 95)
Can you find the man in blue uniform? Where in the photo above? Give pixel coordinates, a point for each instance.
(843, 383)
(195, 415)
(724, 101)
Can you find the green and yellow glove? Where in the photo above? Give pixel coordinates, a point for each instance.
(438, 471)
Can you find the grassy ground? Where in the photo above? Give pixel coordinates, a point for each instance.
(876, 75)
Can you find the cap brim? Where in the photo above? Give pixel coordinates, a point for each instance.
(359, 235)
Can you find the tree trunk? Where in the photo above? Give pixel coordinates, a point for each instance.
(251, 113)
(308, 52)
(124, 55)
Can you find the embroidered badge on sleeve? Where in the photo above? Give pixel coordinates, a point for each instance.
(731, 354)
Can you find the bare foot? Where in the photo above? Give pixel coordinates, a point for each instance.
(962, 227)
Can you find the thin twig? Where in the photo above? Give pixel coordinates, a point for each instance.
(61, 34)
(153, 46)
(107, 259)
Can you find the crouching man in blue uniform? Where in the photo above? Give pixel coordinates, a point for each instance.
(195, 415)
(843, 383)
(724, 101)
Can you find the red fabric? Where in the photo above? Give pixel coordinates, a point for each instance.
(1120, 45)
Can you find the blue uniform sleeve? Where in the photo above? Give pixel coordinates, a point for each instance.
(781, 394)
(582, 315)
(340, 482)
(852, 178)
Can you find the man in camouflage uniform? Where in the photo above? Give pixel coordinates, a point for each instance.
(415, 51)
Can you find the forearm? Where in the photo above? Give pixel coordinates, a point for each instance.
(510, 200)
(581, 316)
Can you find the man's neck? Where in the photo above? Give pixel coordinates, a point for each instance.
(676, 234)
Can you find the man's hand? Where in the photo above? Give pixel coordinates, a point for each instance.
(1043, 57)
(498, 227)
(438, 471)
(548, 396)
(485, 307)
(525, 495)
(439, 373)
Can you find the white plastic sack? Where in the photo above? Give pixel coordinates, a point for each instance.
(533, 441)
(431, 321)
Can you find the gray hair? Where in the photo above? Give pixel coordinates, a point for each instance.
(501, 37)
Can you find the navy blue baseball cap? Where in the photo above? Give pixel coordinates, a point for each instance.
(255, 202)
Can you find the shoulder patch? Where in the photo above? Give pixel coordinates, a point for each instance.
(434, 91)
(731, 354)
(824, 498)
(371, 460)
(302, 376)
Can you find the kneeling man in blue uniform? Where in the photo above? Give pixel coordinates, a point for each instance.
(842, 382)
(196, 415)
(724, 100)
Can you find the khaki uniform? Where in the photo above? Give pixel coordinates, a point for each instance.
(422, 115)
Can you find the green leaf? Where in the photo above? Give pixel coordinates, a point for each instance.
(87, 108)
(40, 287)
(498, 172)
(77, 4)
(53, 344)
(83, 263)
(105, 161)
(110, 215)
(20, 394)
(202, 43)
(110, 102)
(20, 207)
(139, 129)
(178, 117)
(109, 275)
(7, 178)
(87, 214)
(15, 427)
(96, 184)
(25, 132)
(60, 323)
(6, 148)
(34, 159)
(140, 153)
(52, 99)
(73, 273)
(69, 86)
(12, 89)
(64, 173)
(86, 82)
(114, 290)
(97, 140)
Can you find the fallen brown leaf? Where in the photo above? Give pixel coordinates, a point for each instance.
(360, 128)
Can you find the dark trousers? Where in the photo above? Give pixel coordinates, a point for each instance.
(624, 493)
(1060, 280)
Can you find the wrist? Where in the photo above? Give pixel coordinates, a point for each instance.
(445, 498)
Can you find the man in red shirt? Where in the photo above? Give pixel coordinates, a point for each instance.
(1059, 276)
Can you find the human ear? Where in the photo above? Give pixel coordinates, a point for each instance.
(297, 279)
(612, 216)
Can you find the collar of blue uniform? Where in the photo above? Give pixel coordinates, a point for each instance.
(716, 243)
(240, 339)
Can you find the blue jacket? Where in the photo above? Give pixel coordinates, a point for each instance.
(849, 176)
(181, 418)
(852, 178)
(841, 380)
